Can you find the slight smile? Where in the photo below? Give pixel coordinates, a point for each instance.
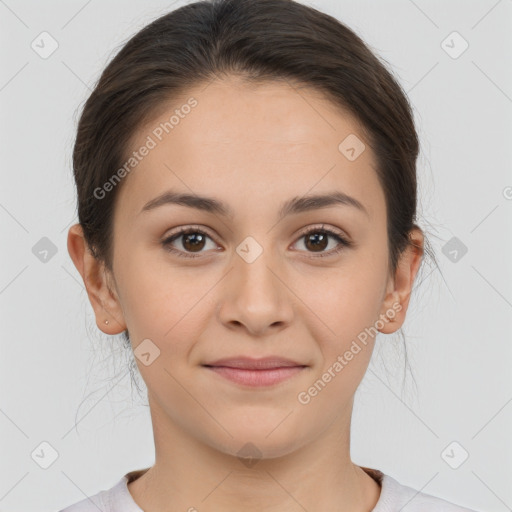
(255, 372)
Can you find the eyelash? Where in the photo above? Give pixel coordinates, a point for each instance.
(342, 242)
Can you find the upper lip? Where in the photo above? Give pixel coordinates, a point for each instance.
(249, 363)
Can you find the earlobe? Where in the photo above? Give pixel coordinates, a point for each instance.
(391, 317)
(104, 300)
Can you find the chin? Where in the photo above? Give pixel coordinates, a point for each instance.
(260, 440)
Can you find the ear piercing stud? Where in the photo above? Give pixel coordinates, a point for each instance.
(106, 321)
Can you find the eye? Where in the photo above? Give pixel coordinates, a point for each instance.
(192, 240)
(317, 240)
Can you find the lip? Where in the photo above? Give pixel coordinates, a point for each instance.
(250, 363)
(255, 372)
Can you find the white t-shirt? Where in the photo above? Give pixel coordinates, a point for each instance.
(394, 497)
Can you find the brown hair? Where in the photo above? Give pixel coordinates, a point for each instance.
(258, 40)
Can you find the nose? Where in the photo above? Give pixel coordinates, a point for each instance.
(256, 296)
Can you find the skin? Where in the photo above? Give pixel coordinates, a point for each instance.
(277, 142)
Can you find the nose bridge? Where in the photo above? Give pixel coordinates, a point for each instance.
(255, 297)
(254, 279)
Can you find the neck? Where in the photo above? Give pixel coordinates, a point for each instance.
(191, 475)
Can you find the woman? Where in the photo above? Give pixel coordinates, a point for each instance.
(246, 178)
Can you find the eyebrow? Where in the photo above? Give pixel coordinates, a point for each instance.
(292, 206)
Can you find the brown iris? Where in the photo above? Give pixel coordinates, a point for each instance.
(318, 241)
(193, 242)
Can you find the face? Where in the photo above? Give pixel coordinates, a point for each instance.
(263, 272)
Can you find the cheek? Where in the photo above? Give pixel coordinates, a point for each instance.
(170, 306)
(341, 315)
(345, 301)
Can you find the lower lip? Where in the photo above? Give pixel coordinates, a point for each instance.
(256, 377)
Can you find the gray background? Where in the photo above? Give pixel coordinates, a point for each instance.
(64, 383)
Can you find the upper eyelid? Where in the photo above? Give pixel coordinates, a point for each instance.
(303, 232)
(188, 229)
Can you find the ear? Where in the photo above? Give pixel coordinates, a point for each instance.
(99, 283)
(398, 294)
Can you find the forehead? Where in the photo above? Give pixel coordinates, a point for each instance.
(254, 143)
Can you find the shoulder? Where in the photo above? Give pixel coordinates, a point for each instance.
(115, 499)
(103, 500)
(395, 496)
(91, 504)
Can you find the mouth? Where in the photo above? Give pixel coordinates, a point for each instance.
(256, 372)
